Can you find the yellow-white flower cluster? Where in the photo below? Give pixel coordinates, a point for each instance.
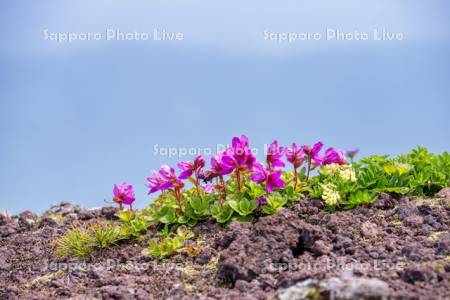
(345, 172)
(330, 170)
(330, 194)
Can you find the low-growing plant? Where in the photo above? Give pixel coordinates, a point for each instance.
(273, 203)
(170, 244)
(241, 205)
(76, 242)
(81, 240)
(106, 234)
(418, 173)
(134, 223)
(358, 198)
(237, 187)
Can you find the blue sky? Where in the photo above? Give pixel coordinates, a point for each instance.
(77, 117)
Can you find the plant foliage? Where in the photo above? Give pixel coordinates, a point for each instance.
(81, 241)
(169, 244)
(237, 187)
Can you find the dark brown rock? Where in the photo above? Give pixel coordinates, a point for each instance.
(384, 201)
(369, 230)
(406, 209)
(109, 212)
(413, 221)
(243, 260)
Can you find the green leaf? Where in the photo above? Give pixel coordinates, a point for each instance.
(359, 198)
(275, 202)
(221, 214)
(200, 205)
(242, 205)
(167, 215)
(170, 244)
(125, 216)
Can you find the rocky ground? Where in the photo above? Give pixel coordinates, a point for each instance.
(396, 249)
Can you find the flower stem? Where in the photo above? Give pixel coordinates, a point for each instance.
(309, 168)
(223, 185)
(219, 190)
(179, 200)
(238, 178)
(295, 178)
(197, 185)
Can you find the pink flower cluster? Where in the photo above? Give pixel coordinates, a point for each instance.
(236, 160)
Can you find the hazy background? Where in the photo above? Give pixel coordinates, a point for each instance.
(75, 118)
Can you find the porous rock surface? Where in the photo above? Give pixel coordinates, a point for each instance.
(395, 249)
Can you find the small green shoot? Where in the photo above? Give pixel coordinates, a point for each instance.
(80, 241)
(169, 245)
(76, 242)
(105, 235)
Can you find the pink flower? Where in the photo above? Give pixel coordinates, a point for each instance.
(164, 179)
(240, 154)
(157, 183)
(295, 155)
(123, 194)
(221, 164)
(313, 153)
(168, 175)
(208, 188)
(333, 157)
(272, 178)
(188, 167)
(260, 174)
(199, 162)
(274, 154)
